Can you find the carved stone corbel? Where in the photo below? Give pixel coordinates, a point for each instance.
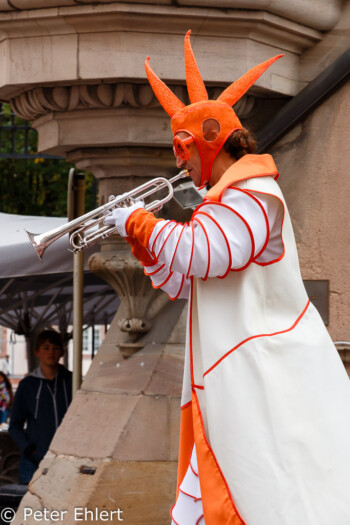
(39, 101)
(125, 274)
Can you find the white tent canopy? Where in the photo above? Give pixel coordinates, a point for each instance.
(17, 255)
(35, 294)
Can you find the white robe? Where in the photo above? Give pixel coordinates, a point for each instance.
(273, 394)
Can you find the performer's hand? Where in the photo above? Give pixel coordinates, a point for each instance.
(119, 216)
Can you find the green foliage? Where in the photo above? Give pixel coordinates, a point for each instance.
(33, 186)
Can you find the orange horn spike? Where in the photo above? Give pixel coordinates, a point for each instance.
(195, 85)
(237, 89)
(166, 97)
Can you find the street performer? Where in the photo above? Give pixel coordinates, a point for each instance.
(265, 415)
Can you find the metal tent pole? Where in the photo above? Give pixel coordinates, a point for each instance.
(76, 208)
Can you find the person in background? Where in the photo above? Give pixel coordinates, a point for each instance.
(6, 397)
(6, 365)
(41, 401)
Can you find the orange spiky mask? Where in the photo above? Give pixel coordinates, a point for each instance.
(197, 119)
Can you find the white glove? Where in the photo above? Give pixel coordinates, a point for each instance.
(119, 216)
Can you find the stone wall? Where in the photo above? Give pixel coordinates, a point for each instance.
(313, 160)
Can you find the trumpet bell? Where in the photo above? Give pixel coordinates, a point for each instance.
(37, 245)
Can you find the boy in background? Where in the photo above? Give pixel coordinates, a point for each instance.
(40, 403)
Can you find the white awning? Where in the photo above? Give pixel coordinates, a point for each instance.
(34, 293)
(17, 255)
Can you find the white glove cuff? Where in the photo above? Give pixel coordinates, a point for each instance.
(119, 216)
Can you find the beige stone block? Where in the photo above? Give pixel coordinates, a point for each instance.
(34, 23)
(42, 59)
(149, 370)
(40, 4)
(103, 370)
(155, 369)
(62, 132)
(134, 374)
(57, 487)
(146, 435)
(333, 45)
(117, 54)
(155, 2)
(44, 465)
(29, 501)
(115, 38)
(301, 11)
(178, 335)
(62, 488)
(144, 491)
(93, 425)
(122, 55)
(167, 319)
(174, 427)
(167, 375)
(112, 164)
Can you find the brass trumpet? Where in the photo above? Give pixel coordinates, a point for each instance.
(90, 227)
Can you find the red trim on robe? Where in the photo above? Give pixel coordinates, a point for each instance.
(256, 336)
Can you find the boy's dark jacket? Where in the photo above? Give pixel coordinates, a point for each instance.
(41, 403)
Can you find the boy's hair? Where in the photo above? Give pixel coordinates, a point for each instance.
(49, 335)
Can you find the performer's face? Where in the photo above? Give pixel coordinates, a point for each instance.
(192, 162)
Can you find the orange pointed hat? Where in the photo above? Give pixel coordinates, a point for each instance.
(202, 113)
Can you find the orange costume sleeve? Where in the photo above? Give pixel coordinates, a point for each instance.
(140, 225)
(139, 228)
(141, 253)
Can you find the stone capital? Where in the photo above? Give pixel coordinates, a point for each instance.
(133, 164)
(101, 115)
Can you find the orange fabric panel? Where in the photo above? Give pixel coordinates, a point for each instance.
(237, 89)
(218, 505)
(195, 85)
(141, 253)
(245, 168)
(186, 443)
(166, 97)
(140, 226)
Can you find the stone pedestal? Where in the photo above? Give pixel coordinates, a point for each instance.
(117, 446)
